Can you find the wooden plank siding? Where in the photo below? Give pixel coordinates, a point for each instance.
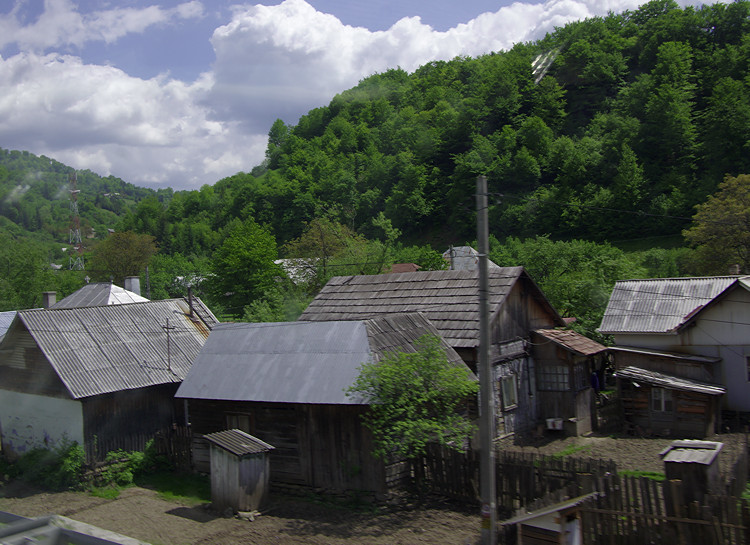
(694, 415)
(322, 446)
(23, 367)
(127, 420)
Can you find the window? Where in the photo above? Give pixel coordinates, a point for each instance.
(661, 399)
(510, 391)
(239, 422)
(554, 378)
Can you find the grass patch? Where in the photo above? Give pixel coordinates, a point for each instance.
(106, 492)
(183, 488)
(654, 475)
(572, 449)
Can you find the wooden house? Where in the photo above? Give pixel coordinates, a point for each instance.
(285, 383)
(689, 331)
(450, 300)
(104, 377)
(566, 364)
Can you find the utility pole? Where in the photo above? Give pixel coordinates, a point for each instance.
(486, 392)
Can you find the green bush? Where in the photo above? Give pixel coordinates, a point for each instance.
(58, 469)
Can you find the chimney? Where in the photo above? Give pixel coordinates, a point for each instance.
(49, 298)
(133, 283)
(734, 270)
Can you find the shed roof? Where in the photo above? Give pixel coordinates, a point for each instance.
(6, 318)
(106, 349)
(238, 442)
(449, 299)
(671, 382)
(572, 341)
(662, 305)
(99, 294)
(691, 451)
(298, 362)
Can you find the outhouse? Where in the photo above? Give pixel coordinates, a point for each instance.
(696, 464)
(240, 470)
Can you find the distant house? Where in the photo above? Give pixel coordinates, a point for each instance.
(465, 258)
(450, 300)
(104, 376)
(566, 364)
(684, 338)
(98, 294)
(285, 383)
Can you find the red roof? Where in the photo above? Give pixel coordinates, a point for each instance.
(575, 342)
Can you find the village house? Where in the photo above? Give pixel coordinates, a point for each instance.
(682, 351)
(102, 376)
(449, 299)
(285, 384)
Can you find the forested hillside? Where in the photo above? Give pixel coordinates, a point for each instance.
(636, 120)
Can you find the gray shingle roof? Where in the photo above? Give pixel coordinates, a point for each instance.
(661, 305)
(99, 294)
(449, 299)
(106, 349)
(297, 362)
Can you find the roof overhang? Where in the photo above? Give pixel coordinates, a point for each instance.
(670, 382)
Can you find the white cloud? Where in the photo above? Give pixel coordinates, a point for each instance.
(61, 24)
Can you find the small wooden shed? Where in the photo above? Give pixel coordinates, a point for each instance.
(240, 470)
(696, 464)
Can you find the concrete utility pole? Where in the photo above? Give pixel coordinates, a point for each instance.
(486, 394)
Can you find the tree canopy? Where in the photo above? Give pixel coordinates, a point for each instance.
(415, 398)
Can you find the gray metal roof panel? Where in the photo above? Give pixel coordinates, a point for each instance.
(659, 305)
(238, 442)
(99, 294)
(692, 451)
(106, 349)
(296, 362)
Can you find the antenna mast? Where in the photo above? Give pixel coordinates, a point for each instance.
(76, 255)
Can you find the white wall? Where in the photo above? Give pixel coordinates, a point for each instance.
(722, 331)
(28, 421)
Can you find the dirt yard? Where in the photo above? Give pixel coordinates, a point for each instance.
(141, 514)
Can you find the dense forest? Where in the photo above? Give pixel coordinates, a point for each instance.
(605, 132)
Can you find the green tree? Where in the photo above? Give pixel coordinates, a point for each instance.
(415, 398)
(721, 228)
(243, 267)
(121, 254)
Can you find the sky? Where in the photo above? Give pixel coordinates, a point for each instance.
(180, 94)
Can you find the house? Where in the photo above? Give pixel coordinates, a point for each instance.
(691, 332)
(284, 383)
(465, 258)
(566, 364)
(450, 300)
(97, 294)
(104, 377)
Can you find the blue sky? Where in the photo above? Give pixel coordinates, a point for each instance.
(182, 93)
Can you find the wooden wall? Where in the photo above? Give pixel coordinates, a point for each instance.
(324, 446)
(239, 483)
(128, 419)
(693, 415)
(23, 367)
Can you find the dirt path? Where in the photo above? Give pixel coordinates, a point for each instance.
(141, 514)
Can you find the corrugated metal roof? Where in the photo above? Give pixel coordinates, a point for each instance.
(6, 318)
(662, 380)
(238, 442)
(99, 294)
(691, 451)
(573, 341)
(98, 350)
(660, 305)
(297, 362)
(449, 299)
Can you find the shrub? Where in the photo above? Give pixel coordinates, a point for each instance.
(58, 469)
